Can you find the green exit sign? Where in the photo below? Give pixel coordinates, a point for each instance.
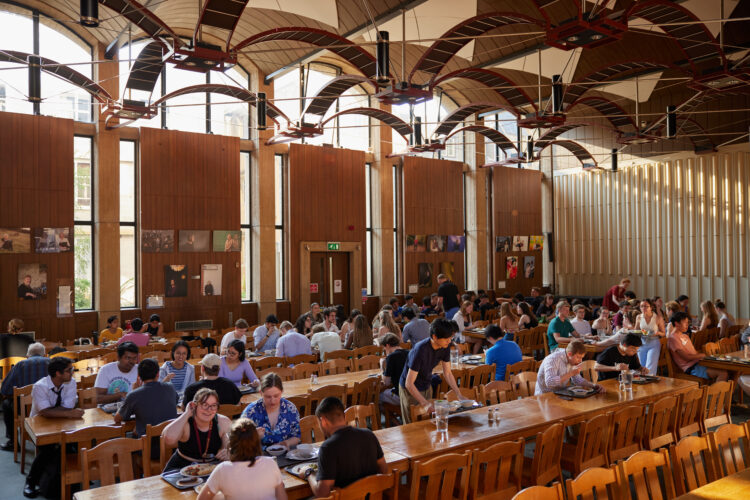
(334, 245)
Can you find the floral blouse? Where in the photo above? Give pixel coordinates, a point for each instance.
(287, 425)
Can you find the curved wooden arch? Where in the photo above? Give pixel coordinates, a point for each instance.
(146, 68)
(612, 111)
(344, 48)
(333, 89)
(578, 151)
(494, 135)
(143, 18)
(389, 119)
(221, 14)
(457, 116)
(553, 133)
(506, 88)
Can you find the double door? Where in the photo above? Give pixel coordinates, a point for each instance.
(329, 274)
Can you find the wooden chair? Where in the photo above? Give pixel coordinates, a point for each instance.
(119, 451)
(300, 358)
(371, 487)
(480, 375)
(146, 349)
(675, 371)
(87, 381)
(108, 358)
(418, 413)
(392, 414)
(525, 340)
(599, 481)
(545, 466)
(405, 345)
(284, 373)
(444, 477)
(302, 371)
(318, 395)
(554, 492)
(459, 374)
(65, 354)
(335, 367)
(339, 354)
(18, 422)
(25, 402)
(729, 344)
(466, 393)
(526, 365)
(524, 384)
(368, 350)
(194, 344)
(588, 372)
(311, 430)
(661, 420)
(369, 362)
(590, 447)
(357, 416)
(365, 392)
(302, 403)
(699, 339)
(231, 411)
(642, 469)
(495, 392)
(71, 465)
(711, 348)
(717, 405)
(690, 413)
(627, 431)
(664, 364)
(496, 470)
(266, 362)
(159, 356)
(153, 466)
(87, 398)
(731, 448)
(692, 463)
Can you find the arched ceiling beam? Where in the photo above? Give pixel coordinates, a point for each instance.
(616, 115)
(553, 133)
(495, 136)
(146, 68)
(333, 89)
(578, 151)
(389, 119)
(506, 88)
(143, 18)
(221, 14)
(458, 115)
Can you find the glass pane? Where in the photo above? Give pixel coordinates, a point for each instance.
(187, 112)
(368, 245)
(230, 116)
(395, 262)
(127, 56)
(280, 264)
(84, 267)
(368, 203)
(247, 282)
(82, 196)
(127, 181)
(244, 188)
(354, 131)
(127, 266)
(17, 34)
(279, 183)
(286, 93)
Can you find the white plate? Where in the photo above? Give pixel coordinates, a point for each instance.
(472, 357)
(206, 470)
(468, 403)
(295, 454)
(299, 468)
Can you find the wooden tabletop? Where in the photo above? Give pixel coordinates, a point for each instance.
(727, 364)
(727, 488)
(44, 430)
(563, 342)
(303, 386)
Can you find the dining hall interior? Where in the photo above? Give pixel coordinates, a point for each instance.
(375, 249)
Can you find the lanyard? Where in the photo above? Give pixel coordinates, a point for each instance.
(198, 437)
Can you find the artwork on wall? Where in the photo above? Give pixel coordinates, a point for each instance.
(15, 240)
(52, 239)
(410, 246)
(175, 280)
(227, 241)
(32, 281)
(448, 269)
(211, 279)
(511, 267)
(529, 263)
(154, 301)
(425, 275)
(520, 243)
(456, 243)
(157, 240)
(502, 244)
(536, 242)
(194, 241)
(436, 243)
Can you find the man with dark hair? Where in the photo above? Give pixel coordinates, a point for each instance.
(683, 351)
(239, 333)
(416, 329)
(416, 379)
(392, 366)
(409, 304)
(623, 356)
(135, 336)
(483, 305)
(267, 334)
(619, 319)
(502, 352)
(348, 453)
(535, 298)
(152, 403)
(562, 368)
(329, 320)
(116, 379)
(447, 296)
(630, 295)
(396, 308)
(25, 372)
(225, 388)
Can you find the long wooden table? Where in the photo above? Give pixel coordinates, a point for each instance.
(731, 487)
(728, 365)
(590, 348)
(44, 430)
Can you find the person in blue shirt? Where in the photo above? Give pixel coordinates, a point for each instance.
(502, 353)
(276, 418)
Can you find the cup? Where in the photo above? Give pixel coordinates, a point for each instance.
(454, 357)
(442, 407)
(441, 422)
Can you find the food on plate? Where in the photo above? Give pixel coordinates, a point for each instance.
(197, 470)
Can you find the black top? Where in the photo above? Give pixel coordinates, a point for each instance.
(150, 405)
(449, 292)
(423, 359)
(394, 366)
(23, 289)
(544, 310)
(225, 388)
(151, 330)
(533, 323)
(348, 455)
(612, 356)
(195, 446)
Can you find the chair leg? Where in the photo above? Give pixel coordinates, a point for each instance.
(15, 442)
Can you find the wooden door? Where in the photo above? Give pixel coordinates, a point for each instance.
(318, 272)
(330, 272)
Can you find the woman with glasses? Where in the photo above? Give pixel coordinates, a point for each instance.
(200, 433)
(234, 366)
(276, 418)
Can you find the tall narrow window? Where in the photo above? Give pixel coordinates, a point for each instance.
(396, 219)
(83, 216)
(279, 223)
(128, 240)
(245, 221)
(368, 225)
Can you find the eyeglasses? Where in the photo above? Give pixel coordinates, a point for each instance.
(208, 407)
(71, 369)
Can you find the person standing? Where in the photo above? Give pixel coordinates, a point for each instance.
(650, 322)
(448, 296)
(615, 294)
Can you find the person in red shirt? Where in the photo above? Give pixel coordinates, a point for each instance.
(615, 295)
(683, 351)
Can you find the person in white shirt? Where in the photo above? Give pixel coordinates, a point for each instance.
(329, 320)
(267, 335)
(239, 333)
(116, 379)
(324, 341)
(582, 326)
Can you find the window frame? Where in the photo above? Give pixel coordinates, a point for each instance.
(249, 227)
(133, 224)
(90, 223)
(280, 228)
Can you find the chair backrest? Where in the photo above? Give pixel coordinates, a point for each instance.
(627, 431)
(545, 465)
(417, 413)
(368, 350)
(588, 372)
(302, 403)
(311, 430)
(718, 403)
(495, 392)
(108, 358)
(285, 373)
(159, 356)
(87, 398)
(87, 381)
(553, 492)
(366, 392)
(231, 411)
(368, 362)
(598, 481)
(524, 384)
(405, 345)
(371, 487)
(66, 354)
(152, 432)
(300, 358)
(661, 419)
(692, 463)
(690, 413)
(335, 366)
(338, 354)
(165, 451)
(358, 415)
(466, 393)
(302, 371)
(593, 443)
(479, 375)
(663, 365)
(266, 362)
(525, 340)
(318, 395)
(729, 344)
(439, 478)
(116, 451)
(496, 470)
(86, 437)
(461, 379)
(731, 448)
(711, 348)
(640, 474)
(525, 365)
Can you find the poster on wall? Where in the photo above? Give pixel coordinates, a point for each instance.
(15, 240)
(436, 243)
(157, 240)
(536, 242)
(211, 279)
(194, 241)
(32, 281)
(456, 243)
(503, 244)
(425, 275)
(65, 298)
(410, 243)
(520, 243)
(154, 301)
(529, 265)
(448, 269)
(227, 241)
(52, 239)
(511, 268)
(175, 280)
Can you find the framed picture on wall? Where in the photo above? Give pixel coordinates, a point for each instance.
(157, 240)
(227, 241)
(456, 243)
(503, 244)
(210, 279)
(194, 241)
(536, 242)
(448, 269)
(32, 281)
(529, 263)
(175, 280)
(436, 243)
(52, 239)
(420, 243)
(511, 267)
(520, 243)
(411, 243)
(16, 240)
(425, 274)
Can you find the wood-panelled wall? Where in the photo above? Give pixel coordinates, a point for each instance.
(674, 228)
(36, 190)
(326, 195)
(433, 203)
(190, 181)
(516, 211)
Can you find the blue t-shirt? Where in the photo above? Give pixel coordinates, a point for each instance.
(503, 353)
(563, 328)
(423, 359)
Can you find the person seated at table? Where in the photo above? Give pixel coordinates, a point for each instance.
(12, 343)
(113, 332)
(239, 333)
(463, 320)
(234, 366)
(416, 378)
(53, 396)
(267, 334)
(683, 352)
(329, 320)
(431, 305)
(408, 304)
(178, 372)
(228, 392)
(562, 368)
(324, 341)
(154, 327)
(582, 327)
(348, 325)
(526, 317)
(560, 326)
(620, 318)
(23, 373)
(116, 379)
(246, 466)
(508, 320)
(546, 308)
(152, 403)
(672, 307)
(502, 353)
(276, 418)
(725, 319)
(483, 305)
(360, 335)
(392, 365)
(684, 302)
(648, 321)
(315, 313)
(416, 329)
(386, 324)
(200, 434)
(623, 356)
(304, 324)
(348, 453)
(135, 336)
(710, 317)
(602, 325)
(745, 335)
(291, 343)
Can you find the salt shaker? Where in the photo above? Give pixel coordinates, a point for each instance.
(497, 416)
(491, 415)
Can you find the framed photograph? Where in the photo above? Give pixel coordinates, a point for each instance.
(52, 240)
(536, 242)
(227, 241)
(17, 240)
(436, 243)
(529, 263)
(154, 301)
(175, 280)
(520, 243)
(157, 240)
(32, 281)
(194, 241)
(511, 268)
(420, 243)
(456, 243)
(411, 243)
(503, 244)
(448, 269)
(425, 275)
(210, 279)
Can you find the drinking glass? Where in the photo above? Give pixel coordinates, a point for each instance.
(454, 356)
(441, 422)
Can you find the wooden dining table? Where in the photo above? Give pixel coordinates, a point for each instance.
(732, 487)
(43, 430)
(303, 386)
(590, 347)
(731, 365)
